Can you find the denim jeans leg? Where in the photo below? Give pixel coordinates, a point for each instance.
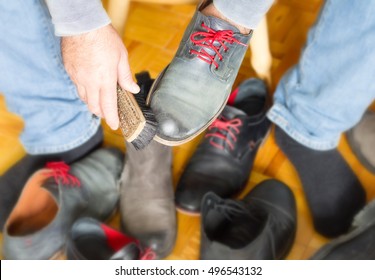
(35, 83)
(247, 13)
(330, 88)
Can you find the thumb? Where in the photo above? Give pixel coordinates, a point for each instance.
(125, 78)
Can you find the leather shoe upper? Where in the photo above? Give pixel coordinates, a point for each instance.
(90, 239)
(192, 90)
(222, 162)
(53, 198)
(261, 226)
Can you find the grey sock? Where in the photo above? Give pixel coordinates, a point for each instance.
(332, 190)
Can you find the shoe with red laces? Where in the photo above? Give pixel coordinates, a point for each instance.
(55, 197)
(15, 178)
(89, 239)
(223, 160)
(192, 91)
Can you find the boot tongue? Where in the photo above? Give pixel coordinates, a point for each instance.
(219, 24)
(52, 187)
(230, 112)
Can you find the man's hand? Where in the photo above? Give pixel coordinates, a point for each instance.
(96, 61)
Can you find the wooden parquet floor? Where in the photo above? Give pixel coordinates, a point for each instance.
(152, 35)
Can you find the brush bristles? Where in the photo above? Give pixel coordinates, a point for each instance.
(151, 127)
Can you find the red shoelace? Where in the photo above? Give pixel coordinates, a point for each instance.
(60, 172)
(226, 130)
(208, 39)
(148, 254)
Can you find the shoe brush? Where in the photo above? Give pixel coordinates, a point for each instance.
(137, 121)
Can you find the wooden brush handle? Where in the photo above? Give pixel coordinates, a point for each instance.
(131, 117)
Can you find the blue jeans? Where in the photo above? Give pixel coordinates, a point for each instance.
(35, 83)
(332, 85)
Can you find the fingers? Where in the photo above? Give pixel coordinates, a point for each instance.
(125, 78)
(101, 96)
(82, 93)
(108, 103)
(102, 102)
(93, 100)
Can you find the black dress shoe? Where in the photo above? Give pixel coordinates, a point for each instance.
(262, 226)
(223, 160)
(358, 244)
(90, 239)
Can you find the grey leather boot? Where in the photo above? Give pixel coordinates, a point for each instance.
(55, 197)
(147, 206)
(192, 91)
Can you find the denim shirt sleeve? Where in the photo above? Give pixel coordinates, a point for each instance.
(74, 17)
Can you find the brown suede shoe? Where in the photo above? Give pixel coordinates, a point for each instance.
(147, 198)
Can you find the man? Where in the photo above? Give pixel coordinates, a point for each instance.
(322, 96)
